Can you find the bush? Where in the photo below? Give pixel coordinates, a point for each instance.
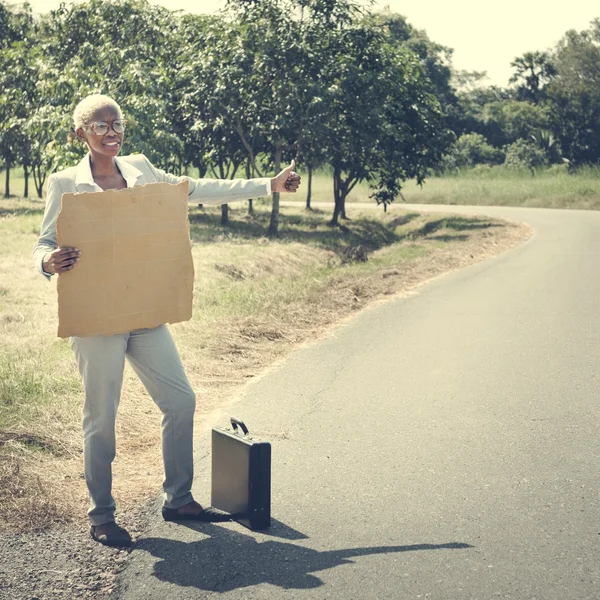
(523, 154)
(470, 149)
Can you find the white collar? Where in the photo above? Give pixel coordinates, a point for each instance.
(84, 175)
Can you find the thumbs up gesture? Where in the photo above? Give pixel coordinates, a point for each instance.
(287, 180)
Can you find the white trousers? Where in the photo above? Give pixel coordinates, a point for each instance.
(154, 357)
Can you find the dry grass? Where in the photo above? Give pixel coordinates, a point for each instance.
(255, 300)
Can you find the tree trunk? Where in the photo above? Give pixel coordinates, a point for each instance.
(224, 208)
(274, 222)
(248, 176)
(39, 178)
(26, 177)
(309, 190)
(335, 219)
(7, 181)
(343, 209)
(345, 192)
(338, 197)
(202, 168)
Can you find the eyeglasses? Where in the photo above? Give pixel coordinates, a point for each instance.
(102, 127)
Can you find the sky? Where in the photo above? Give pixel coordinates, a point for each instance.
(485, 36)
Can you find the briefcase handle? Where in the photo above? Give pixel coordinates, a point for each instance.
(235, 422)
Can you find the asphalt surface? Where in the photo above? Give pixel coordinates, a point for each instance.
(443, 445)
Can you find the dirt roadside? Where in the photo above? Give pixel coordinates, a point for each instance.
(63, 562)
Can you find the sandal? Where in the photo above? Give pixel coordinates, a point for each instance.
(112, 535)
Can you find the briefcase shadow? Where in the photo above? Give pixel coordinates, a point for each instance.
(278, 529)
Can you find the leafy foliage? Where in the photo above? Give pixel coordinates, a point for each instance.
(86, 52)
(323, 81)
(17, 83)
(471, 149)
(524, 154)
(533, 71)
(508, 120)
(574, 95)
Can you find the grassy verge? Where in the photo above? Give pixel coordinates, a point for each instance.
(550, 188)
(553, 187)
(255, 300)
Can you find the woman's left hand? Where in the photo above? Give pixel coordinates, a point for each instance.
(287, 180)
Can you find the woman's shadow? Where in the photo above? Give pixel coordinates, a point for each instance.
(227, 559)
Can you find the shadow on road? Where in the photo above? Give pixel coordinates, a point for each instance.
(228, 560)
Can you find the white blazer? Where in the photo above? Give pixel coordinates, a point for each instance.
(136, 170)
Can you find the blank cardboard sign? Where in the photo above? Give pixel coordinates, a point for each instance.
(136, 268)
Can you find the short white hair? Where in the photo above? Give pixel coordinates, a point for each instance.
(85, 110)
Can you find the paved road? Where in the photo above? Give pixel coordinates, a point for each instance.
(445, 445)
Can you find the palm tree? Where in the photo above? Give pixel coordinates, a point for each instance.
(533, 71)
(545, 140)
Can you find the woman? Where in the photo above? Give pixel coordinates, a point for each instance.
(151, 352)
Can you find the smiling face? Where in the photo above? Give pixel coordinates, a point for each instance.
(106, 145)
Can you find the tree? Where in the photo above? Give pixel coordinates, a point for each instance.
(533, 71)
(524, 154)
(385, 124)
(470, 149)
(545, 140)
(471, 115)
(508, 120)
(315, 31)
(18, 101)
(192, 71)
(205, 132)
(86, 52)
(496, 113)
(16, 85)
(467, 81)
(435, 59)
(256, 61)
(574, 95)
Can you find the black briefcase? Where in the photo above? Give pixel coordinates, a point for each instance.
(241, 475)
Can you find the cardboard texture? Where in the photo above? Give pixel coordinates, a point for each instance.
(136, 268)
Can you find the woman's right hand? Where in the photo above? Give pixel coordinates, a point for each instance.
(61, 260)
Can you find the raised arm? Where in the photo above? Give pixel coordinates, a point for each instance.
(223, 191)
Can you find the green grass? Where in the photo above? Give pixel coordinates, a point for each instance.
(306, 258)
(303, 227)
(20, 222)
(255, 298)
(255, 275)
(28, 384)
(552, 188)
(240, 274)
